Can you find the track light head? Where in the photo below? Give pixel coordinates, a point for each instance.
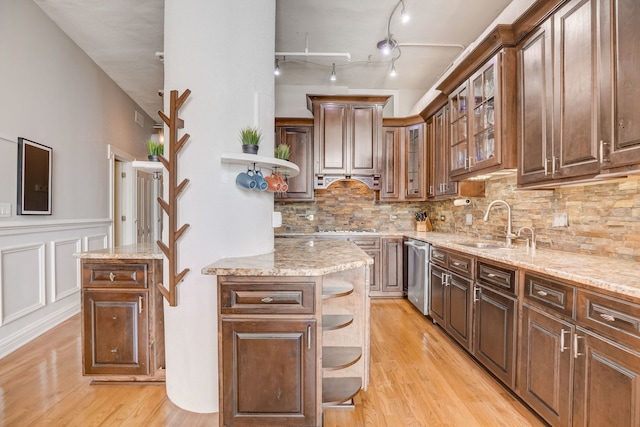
(333, 73)
(387, 45)
(276, 71)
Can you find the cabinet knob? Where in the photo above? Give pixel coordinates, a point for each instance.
(114, 350)
(112, 276)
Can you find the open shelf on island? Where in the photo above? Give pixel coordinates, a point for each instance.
(283, 167)
(336, 321)
(340, 357)
(339, 390)
(337, 289)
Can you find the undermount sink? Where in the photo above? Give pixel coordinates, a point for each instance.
(481, 245)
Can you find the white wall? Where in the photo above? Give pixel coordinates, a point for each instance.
(223, 52)
(54, 94)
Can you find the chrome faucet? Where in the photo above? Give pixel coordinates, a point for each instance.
(510, 236)
(533, 237)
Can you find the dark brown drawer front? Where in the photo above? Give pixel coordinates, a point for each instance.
(616, 318)
(438, 256)
(549, 293)
(497, 277)
(276, 298)
(365, 243)
(461, 264)
(106, 275)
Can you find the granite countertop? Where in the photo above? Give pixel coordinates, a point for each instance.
(619, 276)
(295, 257)
(138, 251)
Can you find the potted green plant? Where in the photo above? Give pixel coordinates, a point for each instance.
(282, 151)
(154, 149)
(250, 138)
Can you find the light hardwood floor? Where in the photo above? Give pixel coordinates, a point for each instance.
(418, 378)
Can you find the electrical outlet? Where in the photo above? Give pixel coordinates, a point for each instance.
(393, 217)
(5, 210)
(469, 219)
(560, 220)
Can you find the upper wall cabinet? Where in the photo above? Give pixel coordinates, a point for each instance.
(404, 160)
(578, 91)
(619, 44)
(347, 137)
(298, 134)
(482, 120)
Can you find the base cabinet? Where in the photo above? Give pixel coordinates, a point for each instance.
(280, 357)
(392, 260)
(122, 320)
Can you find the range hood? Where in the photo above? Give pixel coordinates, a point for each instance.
(322, 182)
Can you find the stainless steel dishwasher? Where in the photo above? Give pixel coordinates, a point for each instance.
(418, 274)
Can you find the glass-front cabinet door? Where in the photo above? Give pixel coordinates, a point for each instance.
(458, 134)
(415, 163)
(483, 85)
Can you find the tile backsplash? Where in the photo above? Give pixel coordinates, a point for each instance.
(602, 219)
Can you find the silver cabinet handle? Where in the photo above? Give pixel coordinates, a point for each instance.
(114, 350)
(456, 263)
(608, 317)
(309, 337)
(575, 346)
(476, 292)
(112, 276)
(542, 293)
(562, 347)
(267, 299)
(491, 275)
(139, 304)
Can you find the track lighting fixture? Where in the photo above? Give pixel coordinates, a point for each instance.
(404, 15)
(333, 73)
(393, 68)
(388, 44)
(277, 69)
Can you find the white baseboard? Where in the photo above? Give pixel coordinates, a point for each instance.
(35, 329)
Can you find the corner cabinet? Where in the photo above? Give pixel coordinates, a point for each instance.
(404, 160)
(298, 135)
(122, 320)
(347, 134)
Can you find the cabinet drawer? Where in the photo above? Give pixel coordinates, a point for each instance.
(549, 293)
(114, 275)
(267, 298)
(497, 277)
(365, 243)
(461, 264)
(616, 318)
(438, 256)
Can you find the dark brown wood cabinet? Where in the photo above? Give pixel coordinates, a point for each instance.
(122, 320)
(404, 161)
(280, 356)
(451, 293)
(442, 185)
(392, 261)
(298, 134)
(577, 95)
(495, 320)
(347, 135)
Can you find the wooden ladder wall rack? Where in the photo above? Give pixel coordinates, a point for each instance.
(171, 207)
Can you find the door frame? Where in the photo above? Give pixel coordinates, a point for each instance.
(113, 154)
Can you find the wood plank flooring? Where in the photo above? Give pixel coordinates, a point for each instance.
(418, 378)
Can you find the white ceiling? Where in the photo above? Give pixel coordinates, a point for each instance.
(122, 37)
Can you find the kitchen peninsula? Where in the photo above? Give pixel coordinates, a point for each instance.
(295, 322)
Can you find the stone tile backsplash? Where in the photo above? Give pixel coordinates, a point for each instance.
(602, 219)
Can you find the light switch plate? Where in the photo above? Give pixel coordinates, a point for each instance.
(560, 220)
(5, 210)
(469, 219)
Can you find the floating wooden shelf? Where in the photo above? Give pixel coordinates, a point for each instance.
(340, 357)
(147, 166)
(336, 321)
(170, 207)
(335, 290)
(283, 167)
(339, 390)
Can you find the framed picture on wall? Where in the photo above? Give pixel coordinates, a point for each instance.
(34, 178)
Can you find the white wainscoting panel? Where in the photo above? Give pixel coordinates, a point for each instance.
(65, 269)
(95, 243)
(22, 281)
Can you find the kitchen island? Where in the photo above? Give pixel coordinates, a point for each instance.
(293, 331)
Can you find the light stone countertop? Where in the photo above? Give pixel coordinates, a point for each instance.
(619, 276)
(295, 257)
(138, 251)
